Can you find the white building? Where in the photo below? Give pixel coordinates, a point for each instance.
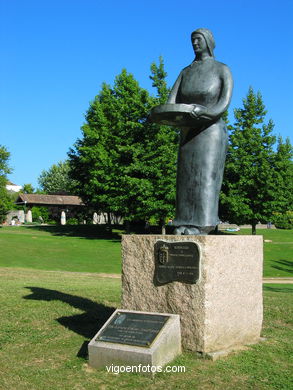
(13, 187)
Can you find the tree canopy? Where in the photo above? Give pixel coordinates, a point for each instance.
(28, 188)
(56, 179)
(5, 202)
(283, 176)
(123, 163)
(255, 174)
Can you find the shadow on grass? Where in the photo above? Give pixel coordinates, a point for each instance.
(284, 265)
(96, 232)
(278, 288)
(81, 231)
(86, 324)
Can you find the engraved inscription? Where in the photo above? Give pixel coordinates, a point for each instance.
(176, 261)
(133, 328)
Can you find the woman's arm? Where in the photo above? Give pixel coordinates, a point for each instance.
(226, 92)
(224, 99)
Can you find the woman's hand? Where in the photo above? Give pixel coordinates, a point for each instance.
(198, 111)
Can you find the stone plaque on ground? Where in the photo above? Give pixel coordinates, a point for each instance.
(136, 337)
(177, 261)
(133, 328)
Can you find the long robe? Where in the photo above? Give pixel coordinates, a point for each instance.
(200, 168)
(202, 150)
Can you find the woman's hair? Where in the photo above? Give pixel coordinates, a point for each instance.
(209, 38)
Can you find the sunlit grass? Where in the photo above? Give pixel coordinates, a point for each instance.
(47, 319)
(92, 249)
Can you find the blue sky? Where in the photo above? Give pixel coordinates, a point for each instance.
(57, 53)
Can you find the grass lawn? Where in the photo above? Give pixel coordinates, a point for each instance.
(90, 249)
(48, 316)
(64, 248)
(278, 254)
(47, 319)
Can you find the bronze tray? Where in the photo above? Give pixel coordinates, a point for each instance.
(177, 115)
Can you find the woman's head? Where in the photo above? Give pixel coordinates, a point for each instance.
(208, 38)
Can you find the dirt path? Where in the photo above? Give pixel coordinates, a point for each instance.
(278, 280)
(284, 280)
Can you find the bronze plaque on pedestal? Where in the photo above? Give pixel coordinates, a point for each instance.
(176, 261)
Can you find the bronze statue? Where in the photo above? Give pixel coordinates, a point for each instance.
(198, 99)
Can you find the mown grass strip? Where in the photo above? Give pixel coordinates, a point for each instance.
(89, 248)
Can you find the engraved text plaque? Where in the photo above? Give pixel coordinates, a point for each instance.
(133, 328)
(176, 261)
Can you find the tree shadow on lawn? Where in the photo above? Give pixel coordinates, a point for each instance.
(86, 324)
(285, 265)
(279, 288)
(82, 231)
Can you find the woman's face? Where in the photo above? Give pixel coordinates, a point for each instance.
(198, 43)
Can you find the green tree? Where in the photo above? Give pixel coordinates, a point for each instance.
(248, 190)
(165, 145)
(104, 161)
(158, 77)
(283, 176)
(122, 161)
(27, 189)
(91, 161)
(56, 179)
(40, 214)
(5, 202)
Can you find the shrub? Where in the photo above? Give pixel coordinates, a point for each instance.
(283, 221)
(40, 213)
(5, 204)
(72, 221)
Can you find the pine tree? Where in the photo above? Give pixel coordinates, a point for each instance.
(124, 164)
(158, 76)
(108, 161)
(164, 152)
(248, 188)
(283, 176)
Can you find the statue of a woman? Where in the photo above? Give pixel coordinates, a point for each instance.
(199, 97)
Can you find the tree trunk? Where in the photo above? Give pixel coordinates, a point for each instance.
(109, 226)
(253, 230)
(127, 227)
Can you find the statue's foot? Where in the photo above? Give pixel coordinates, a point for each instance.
(179, 230)
(191, 231)
(205, 230)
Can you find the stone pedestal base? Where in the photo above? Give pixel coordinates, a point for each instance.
(222, 311)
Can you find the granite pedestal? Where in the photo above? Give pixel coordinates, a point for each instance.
(222, 311)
